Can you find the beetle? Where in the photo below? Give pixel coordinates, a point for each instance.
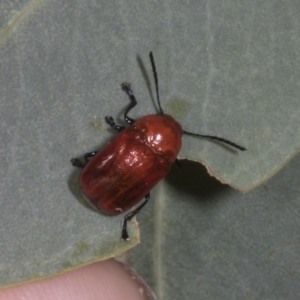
(121, 174)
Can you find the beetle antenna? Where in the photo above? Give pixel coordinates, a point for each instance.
(217, 139)
(156, 81)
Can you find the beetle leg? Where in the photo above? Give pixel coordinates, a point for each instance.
(127, 89)
(129, 216)
(110, 121)
(77, 163)
(89, 155)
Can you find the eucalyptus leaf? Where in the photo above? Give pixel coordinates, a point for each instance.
(200, 239)
(226, 68)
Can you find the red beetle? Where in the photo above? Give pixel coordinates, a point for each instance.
(116, 178)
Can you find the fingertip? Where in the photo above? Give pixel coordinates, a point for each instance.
(102, 280)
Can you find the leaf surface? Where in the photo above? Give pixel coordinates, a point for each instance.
(225, 68)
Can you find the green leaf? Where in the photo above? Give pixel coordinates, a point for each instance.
(200, 239)
(225, 68)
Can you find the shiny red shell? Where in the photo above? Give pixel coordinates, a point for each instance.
(127, 168)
